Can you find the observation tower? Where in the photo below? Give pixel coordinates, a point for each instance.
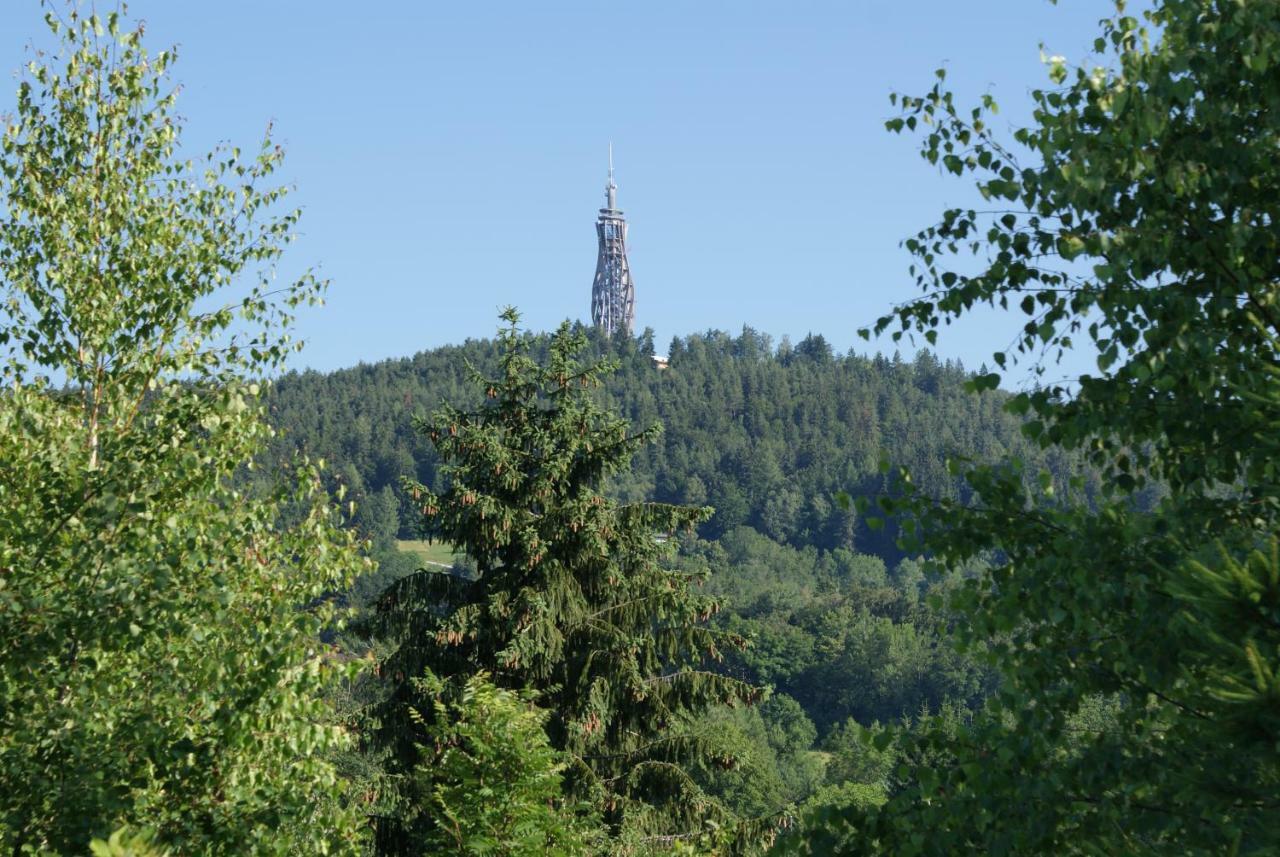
(613, 292)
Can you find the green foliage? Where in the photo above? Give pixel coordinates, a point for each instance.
(855, 757)
(803, 427)
(123, 843)
(776, 764)
(832, 632)
(814, 815)
(1137, 647)
(487, 778)
(157, 672)
(766, 437)
(570, 599)
(1142, 227)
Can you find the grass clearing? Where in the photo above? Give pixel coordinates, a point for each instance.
(437, 552)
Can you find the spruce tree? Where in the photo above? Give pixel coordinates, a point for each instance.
(571, 598)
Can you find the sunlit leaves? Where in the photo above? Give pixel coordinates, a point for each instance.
(1145, 194)
(1117, 224)
(160, 665)
(487, 771)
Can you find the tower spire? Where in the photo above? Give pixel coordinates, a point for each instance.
(611, 189)
(613, 293)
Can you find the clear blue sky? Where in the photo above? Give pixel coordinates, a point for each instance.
(450, 156)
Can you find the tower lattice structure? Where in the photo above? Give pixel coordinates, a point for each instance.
(613, 292)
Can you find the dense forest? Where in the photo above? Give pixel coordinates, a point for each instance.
(838, 619)
(767, 436)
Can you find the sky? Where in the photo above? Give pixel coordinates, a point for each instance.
(450, 157)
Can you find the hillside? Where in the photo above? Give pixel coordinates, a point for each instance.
(767, 435)
(840, 625)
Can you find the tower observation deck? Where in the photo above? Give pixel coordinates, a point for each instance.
(613, 293)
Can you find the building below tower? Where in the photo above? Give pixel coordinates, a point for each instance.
(613, 292)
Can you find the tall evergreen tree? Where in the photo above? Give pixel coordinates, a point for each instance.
(572, 598)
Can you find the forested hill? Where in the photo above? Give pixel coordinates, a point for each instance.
(767, 435)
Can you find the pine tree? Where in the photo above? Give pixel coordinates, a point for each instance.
(571, 599)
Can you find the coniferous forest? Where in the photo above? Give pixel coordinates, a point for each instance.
(538, 594)
(775, 440)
